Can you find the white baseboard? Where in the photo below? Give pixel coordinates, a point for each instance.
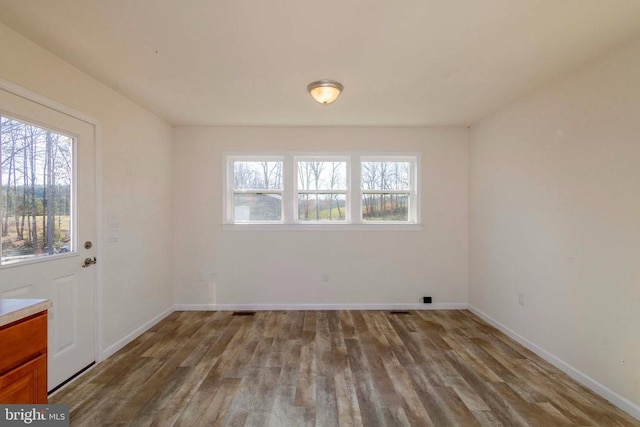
(113, 348)
(613, 397)
(262, 307)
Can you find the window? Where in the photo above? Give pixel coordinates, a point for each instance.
(386, 190)
(257, 190)
(314, 191)
(36, 181)
(322, 190)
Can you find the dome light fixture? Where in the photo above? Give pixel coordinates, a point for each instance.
(325, 91)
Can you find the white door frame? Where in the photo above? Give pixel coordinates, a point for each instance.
(49, 103)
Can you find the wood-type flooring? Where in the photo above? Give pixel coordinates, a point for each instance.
(330, 368)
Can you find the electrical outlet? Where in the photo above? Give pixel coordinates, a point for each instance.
(325, 277)
(426, 300)
(521, 298)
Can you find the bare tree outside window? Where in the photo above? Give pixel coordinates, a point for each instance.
(36, 174)
(386, 189)
(257, 190)
(321, 190)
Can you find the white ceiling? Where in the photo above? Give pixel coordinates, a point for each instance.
(248, 62)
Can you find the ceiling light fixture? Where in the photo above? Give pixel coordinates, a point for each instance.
(325, 91)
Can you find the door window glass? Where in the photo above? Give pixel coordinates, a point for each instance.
(36, 170)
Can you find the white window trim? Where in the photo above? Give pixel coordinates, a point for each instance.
(414, 199)
(230, 191)
(353, 222)
(296, 191)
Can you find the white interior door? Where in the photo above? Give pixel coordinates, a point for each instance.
(47, 215)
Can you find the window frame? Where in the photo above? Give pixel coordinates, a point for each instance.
(19, 261)
(231, 191)
(413, 201)
(353, 214)
(298, 191)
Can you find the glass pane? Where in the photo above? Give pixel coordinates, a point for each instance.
(36, 173)
(322, 175)
(385, 175)
(385, 207)
(257, 175)
(321, 207)
(257, 207)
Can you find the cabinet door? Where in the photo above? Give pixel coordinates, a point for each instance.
(26, 383)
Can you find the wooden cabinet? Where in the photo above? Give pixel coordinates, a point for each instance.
(23, 360)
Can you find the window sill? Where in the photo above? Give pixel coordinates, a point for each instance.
(321, 227)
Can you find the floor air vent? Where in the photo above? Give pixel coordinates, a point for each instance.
(399, 312)
(243, 313)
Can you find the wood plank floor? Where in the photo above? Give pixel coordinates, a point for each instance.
(330, 368)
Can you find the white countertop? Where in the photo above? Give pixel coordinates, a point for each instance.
(16, 309)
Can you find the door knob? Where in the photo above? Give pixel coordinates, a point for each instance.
(89, 261)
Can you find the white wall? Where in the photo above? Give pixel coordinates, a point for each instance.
(285, 267)
(136, 179)
(555, 214)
